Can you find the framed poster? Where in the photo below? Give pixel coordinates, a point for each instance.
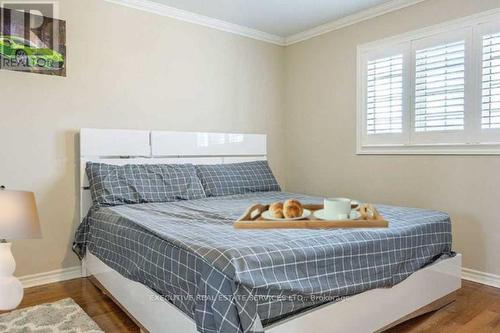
(29, 41)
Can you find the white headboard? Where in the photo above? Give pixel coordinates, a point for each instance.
(114, 146)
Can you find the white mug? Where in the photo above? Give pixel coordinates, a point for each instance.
(337, 208)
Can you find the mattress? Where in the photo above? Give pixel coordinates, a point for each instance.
(232, 280)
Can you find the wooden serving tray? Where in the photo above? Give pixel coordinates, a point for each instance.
(252, 219)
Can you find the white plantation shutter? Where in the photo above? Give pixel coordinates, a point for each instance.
(384, 95)
(432, 91)
(490, 117)
(440, 87)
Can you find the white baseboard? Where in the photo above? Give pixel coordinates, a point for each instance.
(51, 277)
(76, 272)
(481, 277)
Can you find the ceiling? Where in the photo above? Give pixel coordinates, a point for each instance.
(277, 17)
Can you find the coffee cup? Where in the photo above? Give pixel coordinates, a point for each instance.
(337, 208)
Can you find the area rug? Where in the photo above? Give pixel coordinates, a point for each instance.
(62, 316)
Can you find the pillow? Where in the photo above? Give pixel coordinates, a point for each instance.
(112, 185)
(237, 178)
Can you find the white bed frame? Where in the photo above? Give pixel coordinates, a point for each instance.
(426, 290)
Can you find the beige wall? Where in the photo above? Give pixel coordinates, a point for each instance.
(127, 69)
(321, 137)
(131, 69)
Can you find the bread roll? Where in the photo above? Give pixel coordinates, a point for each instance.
(292, 209)
(276, 210)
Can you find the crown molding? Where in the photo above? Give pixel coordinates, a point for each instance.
(350, 20)
(183, 15)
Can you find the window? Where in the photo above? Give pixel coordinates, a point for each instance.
(433, 91)
(5, 41)
(491, 81)
(384, 105)
(440, 88)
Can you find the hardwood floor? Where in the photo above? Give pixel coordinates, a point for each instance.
(476, 310)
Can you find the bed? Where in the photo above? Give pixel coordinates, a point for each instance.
(181, 267)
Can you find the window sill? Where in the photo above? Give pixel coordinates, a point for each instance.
(445, 149)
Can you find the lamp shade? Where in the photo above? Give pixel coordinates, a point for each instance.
(18, 215)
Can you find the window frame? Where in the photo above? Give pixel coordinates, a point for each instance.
(473, 140)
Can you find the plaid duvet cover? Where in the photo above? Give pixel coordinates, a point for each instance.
(231, 280)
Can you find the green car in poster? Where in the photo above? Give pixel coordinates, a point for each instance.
(21, 52)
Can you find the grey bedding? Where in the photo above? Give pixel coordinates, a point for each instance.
(231, 280)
